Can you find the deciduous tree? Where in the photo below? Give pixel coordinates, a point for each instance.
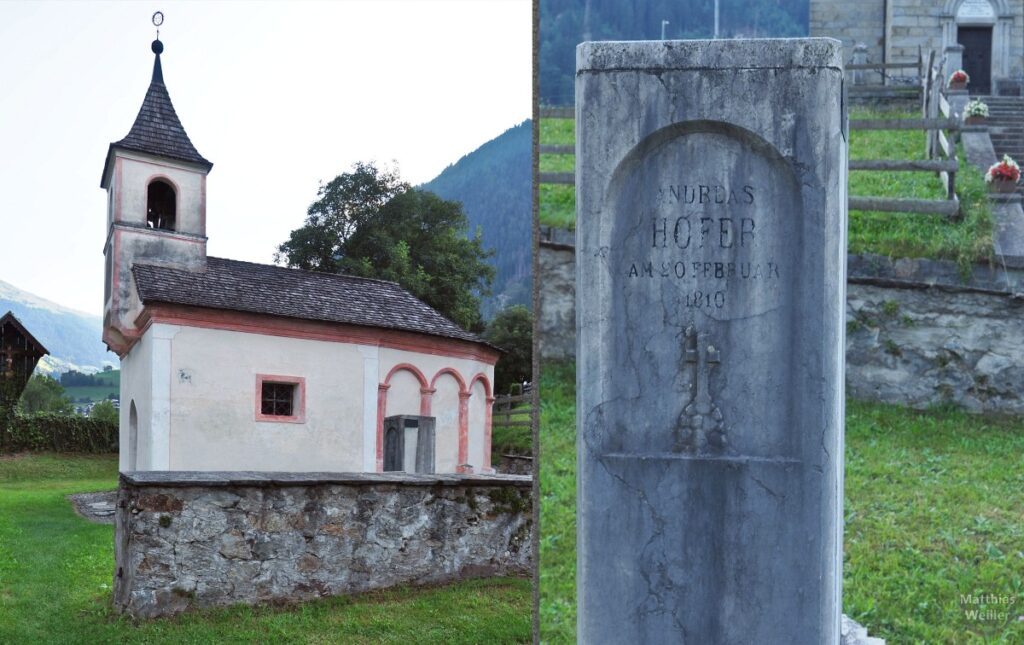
(44, 394)
(369, 223)
(512, 331)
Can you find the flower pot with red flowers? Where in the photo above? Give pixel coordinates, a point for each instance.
(975, 112)
(958, 80)
(1002, 177)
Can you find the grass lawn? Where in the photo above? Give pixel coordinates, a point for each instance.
(934, 509)
(889, 234)
(514, 440)
(56, 568)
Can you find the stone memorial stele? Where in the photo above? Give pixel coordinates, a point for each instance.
(711, 252)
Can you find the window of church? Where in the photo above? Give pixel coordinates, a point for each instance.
(280, 398)
(160, 205)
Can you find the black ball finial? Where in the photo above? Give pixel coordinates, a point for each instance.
(158, 47)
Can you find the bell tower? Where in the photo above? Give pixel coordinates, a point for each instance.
(156, 206)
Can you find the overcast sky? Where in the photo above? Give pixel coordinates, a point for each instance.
(279, 96)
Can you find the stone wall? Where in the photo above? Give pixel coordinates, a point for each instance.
(199, 539)
(912, 24)
(924, 346)
(851, 22)
(556, 322)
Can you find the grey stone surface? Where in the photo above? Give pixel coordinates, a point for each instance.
(184, 544)
(556, 323)
(894, 30)
(711, 201)
(978, 146)
(96, 507)
(854, 634)
(942, 275)
(921, 346)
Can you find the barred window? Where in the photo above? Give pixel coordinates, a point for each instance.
(278, 399)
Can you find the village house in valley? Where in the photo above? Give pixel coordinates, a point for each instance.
(230, 365)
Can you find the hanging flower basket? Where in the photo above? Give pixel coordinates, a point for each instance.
(1002, 177)
(958, 80)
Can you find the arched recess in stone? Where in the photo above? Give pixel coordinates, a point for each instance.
(161, 203)
(481, 402)
(450, 412)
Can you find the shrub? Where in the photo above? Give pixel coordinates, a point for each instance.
(57, 432)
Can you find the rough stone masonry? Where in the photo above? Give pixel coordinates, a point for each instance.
(196, 539)
(711, 233)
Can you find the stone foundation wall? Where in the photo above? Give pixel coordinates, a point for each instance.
(851, 22)
(556, 321)
(186, 540)
(922, 346)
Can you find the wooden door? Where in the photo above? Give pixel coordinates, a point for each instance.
(977, 42)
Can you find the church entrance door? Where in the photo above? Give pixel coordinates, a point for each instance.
(977, 42)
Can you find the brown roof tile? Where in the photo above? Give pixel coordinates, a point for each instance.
(293, 293)
(157, 129)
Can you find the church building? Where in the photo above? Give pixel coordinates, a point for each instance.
(985, 38)
(230, 365)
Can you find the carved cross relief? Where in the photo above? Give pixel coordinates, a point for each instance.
(700, 428)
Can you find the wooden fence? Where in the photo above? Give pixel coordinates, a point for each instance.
(941, 129)
(512, 411)
(884, 90)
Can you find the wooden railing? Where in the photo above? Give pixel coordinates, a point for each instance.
(941, 128)
(940, 150)
(902, 87)
(512, 411)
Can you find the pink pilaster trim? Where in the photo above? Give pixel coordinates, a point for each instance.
(454, 373)
(487, 433)
(462, 467)
(426, 397)
(118, 184)
(202, 205)
(408, 367)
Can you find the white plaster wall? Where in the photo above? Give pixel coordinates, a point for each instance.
(403, 396)
(195, 393)
(130, 244)
(136, 171)
(477, 413)
(136, 385)
(445, 409)
(213, 393)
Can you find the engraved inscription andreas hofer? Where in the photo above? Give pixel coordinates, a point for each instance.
(683, 246)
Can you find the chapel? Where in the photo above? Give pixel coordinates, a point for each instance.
(230, 365)
(990, 32)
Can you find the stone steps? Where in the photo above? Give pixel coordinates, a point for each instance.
(1006, 126)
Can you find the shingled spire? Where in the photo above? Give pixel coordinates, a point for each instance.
(157, 129)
